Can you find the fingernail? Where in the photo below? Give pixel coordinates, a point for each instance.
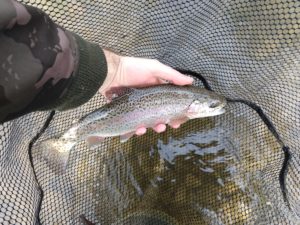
(191, 80)
(141, 131)
(176, 126)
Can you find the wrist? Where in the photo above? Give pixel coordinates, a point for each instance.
(113, 62)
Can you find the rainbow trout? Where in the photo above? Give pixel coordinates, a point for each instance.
(135, 108)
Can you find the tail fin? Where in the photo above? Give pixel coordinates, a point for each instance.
(56, 152)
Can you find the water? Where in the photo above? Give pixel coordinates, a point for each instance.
(187, 176)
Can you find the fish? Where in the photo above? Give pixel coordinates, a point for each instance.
(129, 110)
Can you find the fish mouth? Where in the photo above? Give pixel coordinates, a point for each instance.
(219, 110)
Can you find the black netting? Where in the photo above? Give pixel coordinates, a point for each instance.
(221, 170)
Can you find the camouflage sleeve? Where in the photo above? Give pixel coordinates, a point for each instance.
(43, 66)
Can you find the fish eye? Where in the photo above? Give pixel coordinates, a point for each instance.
(214, 105)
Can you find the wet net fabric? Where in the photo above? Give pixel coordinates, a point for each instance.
(221, 170)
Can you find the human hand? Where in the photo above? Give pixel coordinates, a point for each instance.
(140, 72)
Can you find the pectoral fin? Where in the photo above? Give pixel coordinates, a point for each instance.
(126, 137)
(94, 141)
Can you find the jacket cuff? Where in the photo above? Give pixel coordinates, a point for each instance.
(87, 78)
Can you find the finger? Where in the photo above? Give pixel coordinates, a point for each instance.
(175, 125)
(169, 74)
(160, 128)
(108, 97)
(141, 131)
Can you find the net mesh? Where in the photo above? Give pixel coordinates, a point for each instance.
(221, 170)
